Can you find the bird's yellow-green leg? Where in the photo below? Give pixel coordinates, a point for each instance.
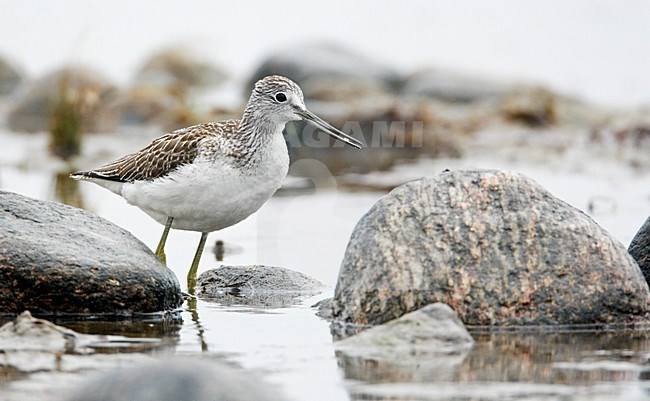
(160, 249)
(191, 275)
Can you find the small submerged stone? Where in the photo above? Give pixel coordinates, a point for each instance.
(261, 286)
(59, 260)
(496, 247)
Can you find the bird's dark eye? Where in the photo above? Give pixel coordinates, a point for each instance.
(280, 97)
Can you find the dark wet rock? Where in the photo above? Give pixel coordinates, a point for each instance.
(496, 247)
(327, 71)
(428, 343)
(56, 259)
(452, 87)
(88, 88)
(640, 249)
(34, 345)
(178, 67)
(10, 77)
(262, 286)
(176, 379)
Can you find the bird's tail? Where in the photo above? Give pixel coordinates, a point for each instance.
(86, 175)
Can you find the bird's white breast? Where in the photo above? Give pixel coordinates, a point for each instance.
(211, 194)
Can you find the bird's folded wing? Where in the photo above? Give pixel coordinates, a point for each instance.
(158, 159)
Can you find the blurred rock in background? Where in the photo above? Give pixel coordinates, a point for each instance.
(429, 113)
(10, 77)
(361, 97)
(178, 67)
(453, 87)
(165, 89)
(32, 110)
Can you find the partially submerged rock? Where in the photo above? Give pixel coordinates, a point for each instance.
(56, 259)
(429, 343)
(177, 379)
(324, 308)
(496, 247)
(262, 286)
(640, 249)
(433, 329)
(34, 345)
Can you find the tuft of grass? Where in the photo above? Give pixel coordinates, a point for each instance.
(67, 117)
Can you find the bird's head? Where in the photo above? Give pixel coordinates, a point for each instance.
(280, 100)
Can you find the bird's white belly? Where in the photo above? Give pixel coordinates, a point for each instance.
(207, 196)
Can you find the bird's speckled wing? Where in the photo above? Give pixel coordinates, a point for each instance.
(163, 155)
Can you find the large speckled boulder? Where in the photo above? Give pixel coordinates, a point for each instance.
(56, 259)
(640, 249)
(496, 247)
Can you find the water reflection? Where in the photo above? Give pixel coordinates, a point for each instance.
(66, 190)
(166, 328)
(412, 367)
(574, 358)
(194, 312)
(552, 361)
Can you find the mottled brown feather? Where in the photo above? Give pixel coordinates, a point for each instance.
(163, 155)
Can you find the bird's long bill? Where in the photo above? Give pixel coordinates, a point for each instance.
(325, 126)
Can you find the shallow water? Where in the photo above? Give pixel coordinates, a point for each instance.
(308, 232)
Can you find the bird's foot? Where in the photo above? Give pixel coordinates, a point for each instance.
(163, 258)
